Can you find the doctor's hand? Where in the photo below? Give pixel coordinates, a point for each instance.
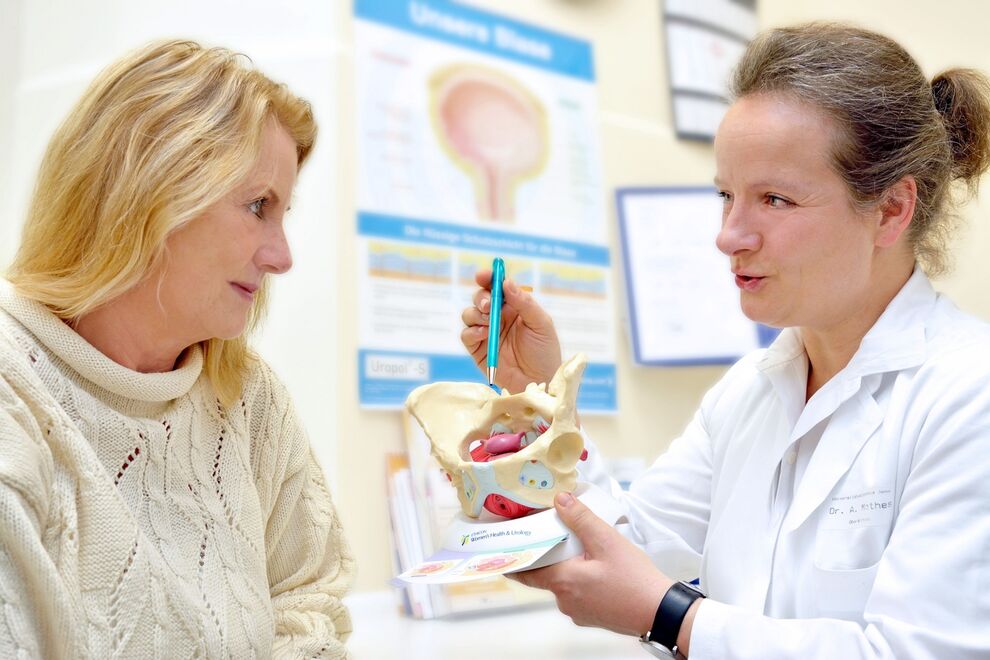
(614, 585)
(529, 351)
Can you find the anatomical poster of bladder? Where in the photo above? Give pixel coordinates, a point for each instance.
(477, 137)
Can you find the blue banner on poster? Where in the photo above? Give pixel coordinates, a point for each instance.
(475, 238)
(482, 31)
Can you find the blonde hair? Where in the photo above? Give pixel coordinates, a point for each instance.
(893, 121)
(158, 137)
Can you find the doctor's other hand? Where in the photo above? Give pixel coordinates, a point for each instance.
(613, 585)
(529, 351)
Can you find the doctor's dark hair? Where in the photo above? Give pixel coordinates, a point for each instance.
(892, 121)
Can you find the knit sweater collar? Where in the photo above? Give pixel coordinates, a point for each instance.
(93, 365)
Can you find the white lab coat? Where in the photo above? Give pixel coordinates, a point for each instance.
(883, 549)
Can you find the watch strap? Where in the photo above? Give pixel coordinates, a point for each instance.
(670, 614)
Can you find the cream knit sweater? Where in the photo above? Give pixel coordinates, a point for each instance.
(140, 519)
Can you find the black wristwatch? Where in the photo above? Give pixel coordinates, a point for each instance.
(667, 621)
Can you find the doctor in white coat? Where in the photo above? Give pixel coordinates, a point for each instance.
(833, 490)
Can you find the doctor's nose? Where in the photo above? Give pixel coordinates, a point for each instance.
(737, 234)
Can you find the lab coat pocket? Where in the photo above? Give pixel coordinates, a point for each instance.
(850, 549)
(844, 568)
(842, 594)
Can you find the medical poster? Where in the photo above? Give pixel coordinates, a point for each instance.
(476, 137)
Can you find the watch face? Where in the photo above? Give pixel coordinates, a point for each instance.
(656, 650)
(693, 587)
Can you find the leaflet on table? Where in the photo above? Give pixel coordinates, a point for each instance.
(477, 137)
(448, 566)
(477, 547)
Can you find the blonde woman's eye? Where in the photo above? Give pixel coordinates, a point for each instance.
(257, 207)
(777, 202)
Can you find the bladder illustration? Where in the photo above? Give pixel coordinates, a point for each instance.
(493, 128)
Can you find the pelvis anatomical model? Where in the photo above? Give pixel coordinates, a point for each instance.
(540, 423)
(493, 128)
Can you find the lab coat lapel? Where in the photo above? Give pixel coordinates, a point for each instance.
(855, 418)
(785, 365)
(895, 342)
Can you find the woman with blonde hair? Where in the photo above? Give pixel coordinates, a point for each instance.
(158, 496)
(831, 491)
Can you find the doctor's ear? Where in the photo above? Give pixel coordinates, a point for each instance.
(896, 210)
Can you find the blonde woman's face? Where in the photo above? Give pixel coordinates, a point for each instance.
(217, 261)
(800, 253)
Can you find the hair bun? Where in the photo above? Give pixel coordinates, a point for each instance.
(962, 97)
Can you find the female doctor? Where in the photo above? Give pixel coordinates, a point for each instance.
(832, 491)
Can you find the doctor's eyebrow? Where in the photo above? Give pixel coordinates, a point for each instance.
(793, 186)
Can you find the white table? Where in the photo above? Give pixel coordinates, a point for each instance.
(382, 631)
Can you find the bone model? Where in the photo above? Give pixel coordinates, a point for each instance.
(508, 453)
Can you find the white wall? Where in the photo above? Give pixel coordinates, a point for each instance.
(9, 59)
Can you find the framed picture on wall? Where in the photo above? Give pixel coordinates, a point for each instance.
(683, 302)
(704, 42)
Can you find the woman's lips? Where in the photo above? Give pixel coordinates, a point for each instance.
(244, 290)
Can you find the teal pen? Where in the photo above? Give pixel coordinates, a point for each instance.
(495, 317)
